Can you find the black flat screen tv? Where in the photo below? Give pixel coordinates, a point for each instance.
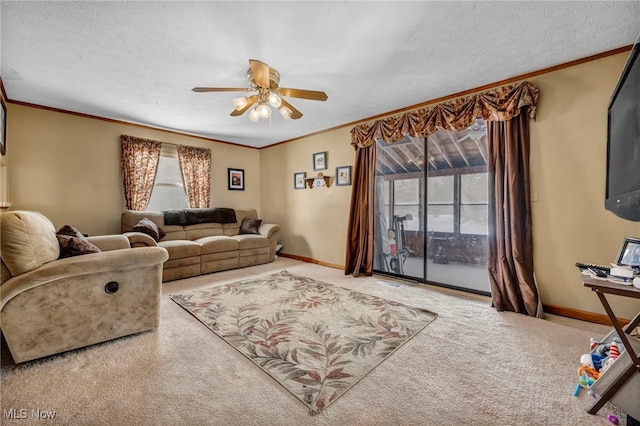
(623, 142)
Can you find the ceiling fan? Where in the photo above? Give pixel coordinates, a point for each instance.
(265, 81)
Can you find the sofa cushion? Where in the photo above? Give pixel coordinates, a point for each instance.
(201, 230)
(147, 226)
(209, 265)
(249, 226)
(73, 243)
(28, 241)
(181, 248)
(181, 262)
(217, 244)
(172, 234)
(251, 241)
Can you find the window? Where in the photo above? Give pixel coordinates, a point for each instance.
(474, 204)
(407, 201)
(468, 216)
(168, 191)
(440, 213)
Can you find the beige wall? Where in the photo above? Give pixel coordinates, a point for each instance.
(314, 220)
(568, 166)
(68, 167)
(568, 163)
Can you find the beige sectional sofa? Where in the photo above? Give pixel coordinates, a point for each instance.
(204, 247)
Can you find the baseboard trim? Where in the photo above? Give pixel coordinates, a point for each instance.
(310, 260)
(581, 315)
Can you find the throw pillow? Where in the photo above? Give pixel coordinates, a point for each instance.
(147, 226)
(250, 226)
(73, 243)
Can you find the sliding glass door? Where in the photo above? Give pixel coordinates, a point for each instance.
(431, 209)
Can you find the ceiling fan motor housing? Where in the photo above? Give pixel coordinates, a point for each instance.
(274, 79)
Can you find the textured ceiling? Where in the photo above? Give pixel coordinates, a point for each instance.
(138, 61)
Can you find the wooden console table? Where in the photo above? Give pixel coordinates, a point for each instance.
(626, 374)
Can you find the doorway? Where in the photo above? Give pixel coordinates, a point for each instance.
(431, 209)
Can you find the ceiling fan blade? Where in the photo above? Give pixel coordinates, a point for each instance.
(303, 94)
(295, 114)
(221, 89)
(260, 72)
(250, 101)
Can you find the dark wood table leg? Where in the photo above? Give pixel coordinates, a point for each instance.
(632, 324)
(621, 333)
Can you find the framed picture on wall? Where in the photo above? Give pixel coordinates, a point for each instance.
(236, 179)
(299, 180)
(3, 129)
(343, 176)
(320, 161)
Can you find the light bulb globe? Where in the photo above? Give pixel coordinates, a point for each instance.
(263, 111)
(275, 100)
(254, 116)
(285, 112)
(240, 102)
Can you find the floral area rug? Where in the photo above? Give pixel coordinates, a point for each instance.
(315, 339)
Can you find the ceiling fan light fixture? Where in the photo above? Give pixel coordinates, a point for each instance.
(263, 111)
(285, 112)
(240, 102)
(265, 81)
(253, 115)
(275, 100)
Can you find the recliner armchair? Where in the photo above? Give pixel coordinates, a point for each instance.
(50, 305)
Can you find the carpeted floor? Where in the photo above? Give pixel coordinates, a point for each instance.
(472, 365)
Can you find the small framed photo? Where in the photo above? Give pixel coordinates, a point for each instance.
(343, 176)
(629, 254)
(3, 129)
(299, 180)
(236, 179)
(320, 161)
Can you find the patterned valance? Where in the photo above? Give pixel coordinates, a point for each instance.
(499, 104)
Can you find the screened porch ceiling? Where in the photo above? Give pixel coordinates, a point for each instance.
(447, 152)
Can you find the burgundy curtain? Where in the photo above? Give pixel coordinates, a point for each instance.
(139, 163)
(195, 166)
(507, 108)
(510, 240)
(360, 253)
